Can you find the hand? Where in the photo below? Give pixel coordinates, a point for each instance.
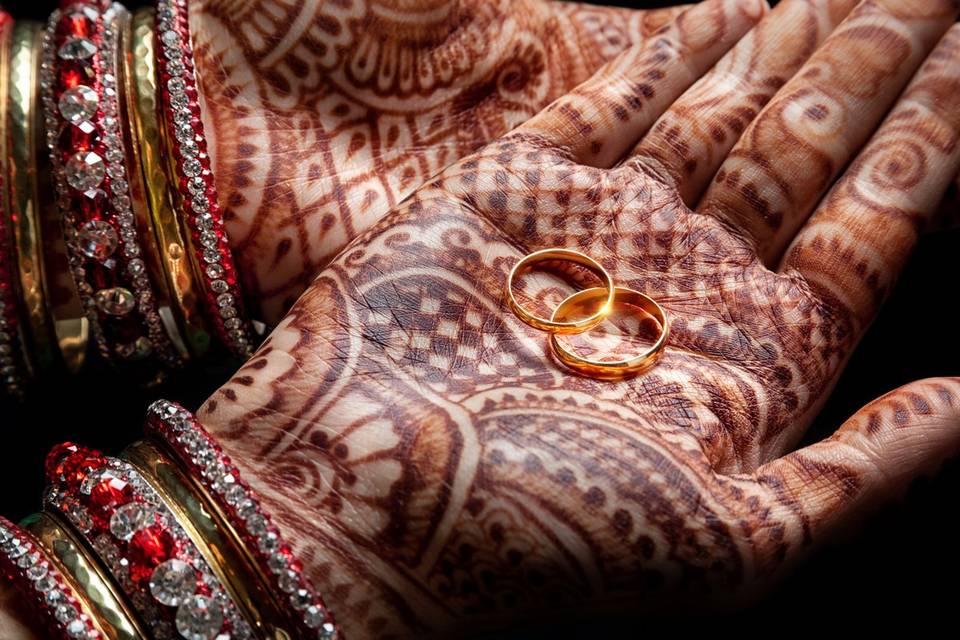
(325, 115)
(437, 469)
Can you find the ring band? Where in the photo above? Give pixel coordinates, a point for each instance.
(615, 369)
(552, 325)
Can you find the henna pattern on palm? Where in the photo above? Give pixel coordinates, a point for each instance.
(328, 114)
(436, 469)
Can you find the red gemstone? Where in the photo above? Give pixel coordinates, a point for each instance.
(147, 549)
(81, 23)
(70, 73)
(110, 493)
(69, 463)
(91, 205)
(78, 137)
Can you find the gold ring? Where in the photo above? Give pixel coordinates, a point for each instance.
(553, 326)
(615, 369)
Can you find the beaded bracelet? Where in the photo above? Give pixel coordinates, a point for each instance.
(88, 154)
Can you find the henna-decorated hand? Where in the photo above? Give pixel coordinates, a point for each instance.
(325, 115)
(436, 468)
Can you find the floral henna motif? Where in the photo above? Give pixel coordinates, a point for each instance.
(325, 115)
(436, 469)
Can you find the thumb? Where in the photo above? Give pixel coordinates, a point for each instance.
(826, 488)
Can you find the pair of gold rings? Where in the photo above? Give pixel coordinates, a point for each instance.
(560, 322)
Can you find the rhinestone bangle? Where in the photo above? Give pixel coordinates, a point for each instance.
(143, 546)
(87, 151)
(180, 432)
(33, 573)
(197, 193)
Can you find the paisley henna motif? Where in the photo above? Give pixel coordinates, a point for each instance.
(437, 470)
(327, 114)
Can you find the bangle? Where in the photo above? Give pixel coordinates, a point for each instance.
(56, 328)
(177, 266)
(197, 194)
(37, 575)
(143, 545)
(240, 507)
(108, 610)
(139, 194)
(80, 95)
(13, 357)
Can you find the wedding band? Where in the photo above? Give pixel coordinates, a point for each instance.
(552, 325)
(615, 369)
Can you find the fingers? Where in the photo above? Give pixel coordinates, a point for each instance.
(790, 154)
(870, 460)
(855, 245)
(689, 142)
(602, 118)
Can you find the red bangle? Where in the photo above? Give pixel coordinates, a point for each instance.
(87, 143)
(187, 148)
(186, 438)
(32, 573)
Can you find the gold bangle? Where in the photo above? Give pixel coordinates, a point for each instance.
(18, 94)
(210, 531)
(52, 306)
(553, 326)
(106, 609)
(183, 302)
(617, 369)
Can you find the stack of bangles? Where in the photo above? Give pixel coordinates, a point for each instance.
(164, 541)
(111, 234)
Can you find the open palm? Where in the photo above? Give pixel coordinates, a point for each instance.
(433, 463)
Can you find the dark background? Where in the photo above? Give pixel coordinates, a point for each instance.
(902, 565)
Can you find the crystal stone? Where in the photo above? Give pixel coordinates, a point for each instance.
(314, 616)
(85, 170)
(170, 38)
(38, 571)
(129, 519)
(77, 629)
(78, 104)
(173, 582)
(77, 49)
(192, 167)
(97, 239)
(327, 631)
(64, 613)
(199, 618)
(115, 301)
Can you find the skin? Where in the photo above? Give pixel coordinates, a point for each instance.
(439, 473)
(312, 148)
